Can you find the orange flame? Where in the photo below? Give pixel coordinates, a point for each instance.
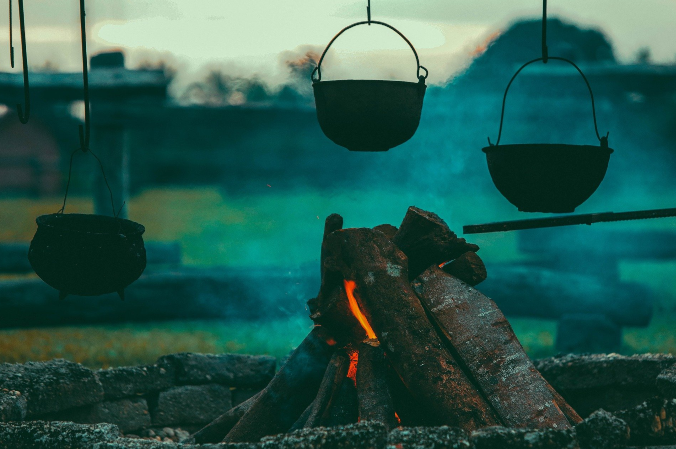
(354, 307)
(352, 371)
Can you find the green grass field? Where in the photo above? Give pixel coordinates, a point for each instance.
(277, 229)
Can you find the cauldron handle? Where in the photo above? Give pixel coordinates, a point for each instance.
(318, 70)
(603, 140)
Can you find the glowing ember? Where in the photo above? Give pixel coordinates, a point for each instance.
(352, 371)
(354, 307)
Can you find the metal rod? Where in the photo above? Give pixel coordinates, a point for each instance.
(567, 220)
(11, 43)
(24, 114)
(545, 51)
(368, 11)
(84, 134)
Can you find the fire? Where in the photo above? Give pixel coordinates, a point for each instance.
(352, 371)
(354, 307)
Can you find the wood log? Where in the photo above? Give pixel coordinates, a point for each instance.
(410, 411)
(427, 240)
(478, 334)
(410, 341)
(215, 431)
(300, 422)
(387, 229)
(344, 409)
(570, 413)
(375, 401)
(333, 222)
(287, 395)
(336, 373)
(469, 268)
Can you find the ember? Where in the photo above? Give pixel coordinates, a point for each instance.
(397, 316)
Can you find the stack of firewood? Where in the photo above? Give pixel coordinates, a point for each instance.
(430, 349)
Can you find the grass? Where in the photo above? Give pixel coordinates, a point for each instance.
(277, 229)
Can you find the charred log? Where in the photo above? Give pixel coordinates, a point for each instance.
(387, 229)
(469, 268)
(344, 408)
(287, 395)
(568, 411)
(410, 341)
(375, 401)
(334, 376)
(476, 330)
(427, 240)
(215, 431)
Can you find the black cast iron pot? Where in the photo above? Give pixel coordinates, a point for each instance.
(554, 178)
(87, 255)
(369, 115)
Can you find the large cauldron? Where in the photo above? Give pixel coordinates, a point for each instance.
(87, 255)
(552, 178)
(547, 177)
(368, 115)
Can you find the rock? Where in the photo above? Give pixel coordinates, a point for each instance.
(428, 438)
(469, 268)
(363, 435)
(666, 382)
(609, 381)
(233, 370)
(128, 414)
(651, 423)
(136, 380)
(580, 372)
(504, 438)
(13, 406)
(587, 332)
(191, 404)
(52, 386)
(602, 430)
(55, 435)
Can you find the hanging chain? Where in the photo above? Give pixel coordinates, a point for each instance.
(545, 51)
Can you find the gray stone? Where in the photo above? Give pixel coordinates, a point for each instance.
(127, 443)
(191, 404)
(504, 438)
(363, 435)
(233, 370)
(587, 332)
(54, 435)
(602, 430)
(428, 438)
(13, 406)
(136, 380)
(52, 386)
(580, 372)
(666, 382)
(128, 414)
(651, 423)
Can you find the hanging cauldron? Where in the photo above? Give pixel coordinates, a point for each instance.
(87, 255)
(552, 178)
(368, 115)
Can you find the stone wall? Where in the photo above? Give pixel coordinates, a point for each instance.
(180, 390)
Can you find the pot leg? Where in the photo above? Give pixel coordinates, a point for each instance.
(121, 294)
(62, 295)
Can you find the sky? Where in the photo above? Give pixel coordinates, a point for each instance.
(255, 37)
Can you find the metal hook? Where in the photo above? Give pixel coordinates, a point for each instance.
(84, 131)
(24, 115)
(545, 51)
(368, 11)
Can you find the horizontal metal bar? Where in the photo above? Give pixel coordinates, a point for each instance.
(567, 220)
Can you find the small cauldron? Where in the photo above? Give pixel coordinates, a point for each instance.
(87, 255)
(547, 177)
(368, 115)
(554, 178)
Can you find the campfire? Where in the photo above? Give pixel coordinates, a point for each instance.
(403, 338)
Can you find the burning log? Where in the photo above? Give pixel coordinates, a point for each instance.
(334, 376)
(411, 343)
(427, 240)
(344, 409)
(375, 401)
(485, 344)
(215, 431)
(292, 389)
(469, 268)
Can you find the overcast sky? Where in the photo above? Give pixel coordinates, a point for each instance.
(252, 37)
